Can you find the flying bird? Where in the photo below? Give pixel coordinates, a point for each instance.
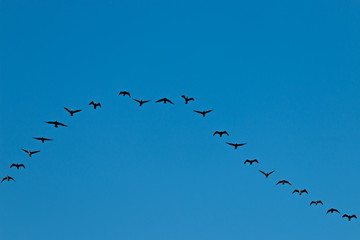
(141, 102)
(164, 100)
(7, 178)
(187, 99)
(316, 202)
(56, 123)
(42, 139)
(71, 111)
(95, 104)
(203, 112)
(332, 210)
(349, 217)
(220, 133)
(17, 165)
(283, 182)
(124, 93)
(300, 191)
(236, 145)
(29, 152)
(266, 174)
(251, 161)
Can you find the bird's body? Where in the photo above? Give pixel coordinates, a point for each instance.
(141, 102)
(266, 174)
(221, 133)
(7, 178)
(72, 111)
(203, 112)
(95, 104)
(301, 191)
(124, 93)
(56, 123)
(283, 182)
(349, 217)
(42, 139)
(316, 202)
(29, 152)
(17, 165)
(164, 100)
(187, 99)
(236, 145)
(251, 161)
(332, 210)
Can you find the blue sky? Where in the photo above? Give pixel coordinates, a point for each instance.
(282, 76)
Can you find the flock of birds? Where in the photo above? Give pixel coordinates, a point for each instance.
(203, 113)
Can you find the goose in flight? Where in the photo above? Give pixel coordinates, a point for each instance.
(56, 123)
(316, 202)
(203, 112)
(71, 111)
(95, 104)
(332, 210)
(164, 100)
(29, 152)
(283, 182)
(221, 133)
(42, 139)
(141, 102)
(236, 145)
(7, 178)
(251, 161)
(17, 165)
(300, 191)
(266, 174)
(187, 99)
(124, 93)
(349, 217)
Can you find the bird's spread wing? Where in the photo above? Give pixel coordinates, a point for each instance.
(246, 161)
(136, 100)
(61, 124)
(320, 202)
(262, 172)
(208, 111)
(92, 102)
(77, 111)
(50, 122)
(22, 165)
(225, 132)
(256, 161)
(232, 144)
(36, 138)
(25, 150)
(271, 172)
(191, 99)
(216, 133)
(3, 179)
(312, 203)
(305, 191)
(34, 152)
(160, 100)
(197, 111)
(146, 101)
(278, 182)
(295, 191)
(12, 165)
(67, 109)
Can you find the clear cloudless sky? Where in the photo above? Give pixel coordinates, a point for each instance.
(281, 75)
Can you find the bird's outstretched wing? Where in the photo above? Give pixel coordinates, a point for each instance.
(12, 165)
(67, 109)
(3, 179)
(160, 100)
(345, 215)
(77, 111)
(51, 122)
(271, 172)
(287, 182)
(136, 100)
(22, 165)
(320, 202)
(198, 112)
(208, 111)
(225, 132)
(353, 216)
(170, 101)
(312, 202)
(295, 191)
(92, 102)
(305, 191)
(34, 152)
(279, 182)
(216, 132)
(25, 150)
(10, 178)
(232, 144)
(146, 101)
(262, 172)
(61, 124)
(191, 99)
(255, 160)
(247, 160)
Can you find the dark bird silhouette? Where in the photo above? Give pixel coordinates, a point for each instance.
(141, 102)
(56, 123)
(42, 139)
(300, 191)
(236, 145)
(17, 165)
(316, 202)
(266, 174)
(220, 133)
(95, 104)
(251, 161)
(349, 217)
(283, 182)
(29, 152)
(164, 100)
(71, 111)
(7, 178)
(203, 112)
(124, 93)
(332, 210)
(187, 99)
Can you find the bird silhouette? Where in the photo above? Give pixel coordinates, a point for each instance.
(29, 152)
(124, 93)
(7, 178)
(203, 112)
(300, 191)
(283, 182)
(71, 111)
(95, 104)
(220, 133)
(349, 217)
(141, 102)
(56, 123)
(17, 165)
(164, 100)
(236, 145)
(316, 202)
(187, 99)
(251, 161)
(266, 174)
(42, 139)
(332, 210)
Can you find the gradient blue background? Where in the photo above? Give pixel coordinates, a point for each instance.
(282, 76)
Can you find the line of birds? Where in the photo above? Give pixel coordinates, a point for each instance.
(203, 113)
